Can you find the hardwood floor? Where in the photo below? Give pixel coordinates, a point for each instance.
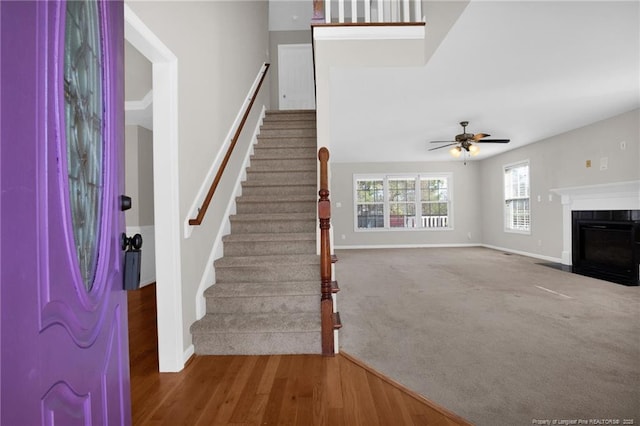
(264, 390)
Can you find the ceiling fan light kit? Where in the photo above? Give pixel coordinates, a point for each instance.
(467, 142)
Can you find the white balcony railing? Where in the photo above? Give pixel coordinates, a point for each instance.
(367, 11)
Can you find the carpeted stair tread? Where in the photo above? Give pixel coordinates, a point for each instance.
(289, 116)
(290, 322)
(288, 164)
(282, 198)
(278, 152)
(293, 124)
(293, 236)
(269, 260)
(286, 142)
(263, 217)
(271, 289)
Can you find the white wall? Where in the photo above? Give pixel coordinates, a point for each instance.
(220, 47)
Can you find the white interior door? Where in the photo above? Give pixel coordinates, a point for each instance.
(295, 77)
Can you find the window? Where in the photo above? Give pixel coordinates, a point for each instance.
(370, 203)
(516, 198)
(434, 197)
(403, 202)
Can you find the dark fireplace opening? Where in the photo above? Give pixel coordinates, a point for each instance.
(606, 245)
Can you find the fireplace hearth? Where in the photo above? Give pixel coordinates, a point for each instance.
(606, 245)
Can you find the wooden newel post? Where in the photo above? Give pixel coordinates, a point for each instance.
(324, 214)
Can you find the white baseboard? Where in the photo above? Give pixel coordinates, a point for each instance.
(392, 246)
(188, 353)
(148, 262)
(524, 253)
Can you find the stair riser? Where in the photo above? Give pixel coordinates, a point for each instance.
(298, 164)
(272, 273)
(293, 116)
(288, 132)
(277, 304)
(284, 153)
(257, 343)
(277, 190)
(280, 207)
(273, 142)
(296, 124)
(283, 178)
(272, 226)
(260, 248)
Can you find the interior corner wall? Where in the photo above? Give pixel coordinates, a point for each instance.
(277, 38)
(220, 47)
(558, 162)
(131, 175)
(465, 195)
(145, 176)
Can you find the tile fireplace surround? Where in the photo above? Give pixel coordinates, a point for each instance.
(610, 196)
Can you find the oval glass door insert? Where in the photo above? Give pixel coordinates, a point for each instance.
(84, 130)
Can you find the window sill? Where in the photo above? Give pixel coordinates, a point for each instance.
(517, 231)
(401, 229)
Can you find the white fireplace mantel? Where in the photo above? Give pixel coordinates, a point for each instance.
(608, 196)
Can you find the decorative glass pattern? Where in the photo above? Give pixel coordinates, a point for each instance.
(84, 130)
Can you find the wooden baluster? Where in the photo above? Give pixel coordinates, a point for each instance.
(324, 214)
(318, 11)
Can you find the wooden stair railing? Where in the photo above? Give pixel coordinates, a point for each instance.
(202, 210)
(330, 321)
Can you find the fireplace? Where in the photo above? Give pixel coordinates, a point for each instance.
(606, 244)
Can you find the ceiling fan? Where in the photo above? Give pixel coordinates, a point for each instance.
(466, 142)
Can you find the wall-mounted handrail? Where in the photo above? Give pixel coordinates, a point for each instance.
(324, 215)
(202, 210)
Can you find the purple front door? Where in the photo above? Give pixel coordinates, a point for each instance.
(63, 314)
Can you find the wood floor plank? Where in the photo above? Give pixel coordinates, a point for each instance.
(274, 403)
(386, 415)
(264, 390)
(248, 395)
(397, 403)
(222, 396)
(270, 370)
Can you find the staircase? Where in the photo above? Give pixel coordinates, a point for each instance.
(266, 299)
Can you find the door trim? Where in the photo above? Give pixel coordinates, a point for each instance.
(166, 191)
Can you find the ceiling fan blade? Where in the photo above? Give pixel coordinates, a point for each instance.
(479, 136)
(443, 146)
(443, 142)
(493, 141)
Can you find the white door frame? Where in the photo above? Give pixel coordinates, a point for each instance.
(171, 355)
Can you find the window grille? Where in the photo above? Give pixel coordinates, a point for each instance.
(403, 202)
(516, 197)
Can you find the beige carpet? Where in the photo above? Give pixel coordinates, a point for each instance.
(498, 339)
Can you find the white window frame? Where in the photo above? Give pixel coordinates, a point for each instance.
(507, 218)
(417, 177)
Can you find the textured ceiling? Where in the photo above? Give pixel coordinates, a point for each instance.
(519, 70)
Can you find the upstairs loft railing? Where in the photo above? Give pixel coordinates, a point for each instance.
(245, 111)
(367, 11)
